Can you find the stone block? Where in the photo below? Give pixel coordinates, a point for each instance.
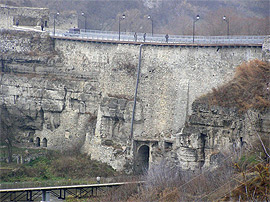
(54, 94)
(52, 105)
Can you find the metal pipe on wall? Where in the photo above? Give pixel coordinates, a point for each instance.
(135, 94)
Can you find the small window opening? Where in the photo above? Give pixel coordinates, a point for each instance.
(168, 145)
(241, 141)
(38, 142)
(44, 142)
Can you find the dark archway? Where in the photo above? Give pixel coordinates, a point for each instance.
(44, 142)
(142, 160)
(38, 142)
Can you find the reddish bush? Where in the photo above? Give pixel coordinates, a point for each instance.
(250, 88)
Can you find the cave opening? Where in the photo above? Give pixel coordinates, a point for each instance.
(142, 160)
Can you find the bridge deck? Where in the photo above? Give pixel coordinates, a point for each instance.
(77, 191)
(157, 43)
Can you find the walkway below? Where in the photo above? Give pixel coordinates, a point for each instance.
(61, 192)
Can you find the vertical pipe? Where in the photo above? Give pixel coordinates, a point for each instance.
(135, 94)
(187, 107)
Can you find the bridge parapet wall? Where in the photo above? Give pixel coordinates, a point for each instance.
(25, 43)
(266, 49)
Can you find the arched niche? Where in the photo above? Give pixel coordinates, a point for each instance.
(142, 161)
(37, 142)
(44, 142)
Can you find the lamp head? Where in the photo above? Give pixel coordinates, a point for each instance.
(83, 14)
(197, 17)
(149, 17)
(123, 16)
(224, 17)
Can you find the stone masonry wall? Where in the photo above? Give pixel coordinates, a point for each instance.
(25, 15)
(14, 43)
(171, 79)
(29, 16)
(80, 94)
(266, 49)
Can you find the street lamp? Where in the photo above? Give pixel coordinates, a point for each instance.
(83, 14)
(195, 20)
(98, 180)
(121, 18)
(228, 24)
(54, 17)
(150, 18)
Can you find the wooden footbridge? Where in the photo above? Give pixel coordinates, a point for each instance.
(60, 192)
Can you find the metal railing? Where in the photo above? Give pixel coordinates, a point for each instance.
(60, 192)
(159, 38)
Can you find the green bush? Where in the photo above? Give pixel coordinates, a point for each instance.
(56, 166)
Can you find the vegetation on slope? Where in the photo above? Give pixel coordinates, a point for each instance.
(54, 166)
(249, 89)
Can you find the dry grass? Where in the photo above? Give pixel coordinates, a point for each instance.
(249, 89)
(254, 183)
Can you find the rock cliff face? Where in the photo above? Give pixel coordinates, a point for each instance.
(76, 95)
(266, 49)
(213, 134)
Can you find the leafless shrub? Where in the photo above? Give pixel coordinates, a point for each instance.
(161, 176)
(164, 183)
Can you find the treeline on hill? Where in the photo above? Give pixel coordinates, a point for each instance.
(172, 17)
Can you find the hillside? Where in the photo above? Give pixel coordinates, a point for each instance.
(172, 17)
(249, 89)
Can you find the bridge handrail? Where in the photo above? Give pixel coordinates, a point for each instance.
(70, 187)
(170, 36)
(158, 38)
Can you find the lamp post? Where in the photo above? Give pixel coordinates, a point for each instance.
(98, 180)
(194, 21)
(121, 18)
(150, 18)
(228, 24)
(83, 14)
(54, 17)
